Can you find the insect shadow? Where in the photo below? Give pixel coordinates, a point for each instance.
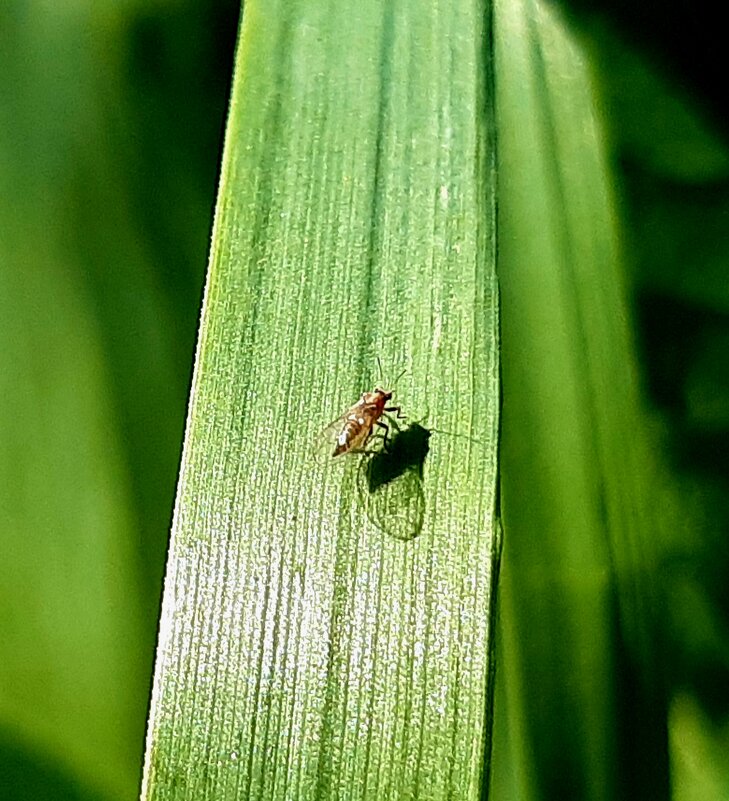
(406, 451)
(390, 482)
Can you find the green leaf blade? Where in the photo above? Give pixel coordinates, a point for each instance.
(304, 652)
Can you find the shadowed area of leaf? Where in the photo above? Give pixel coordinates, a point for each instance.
(406, 452)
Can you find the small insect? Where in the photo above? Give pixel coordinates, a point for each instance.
(351, 431)
(388, 479)
(357, 423)
(388, 488)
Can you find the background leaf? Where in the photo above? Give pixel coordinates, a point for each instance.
(97, 324)
(577, 591)
(599, 540)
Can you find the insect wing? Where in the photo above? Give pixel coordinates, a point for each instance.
(326, 440)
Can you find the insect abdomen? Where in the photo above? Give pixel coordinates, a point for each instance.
(353, 434)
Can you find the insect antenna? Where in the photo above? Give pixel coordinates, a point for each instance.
(400, 375)
(381, 376)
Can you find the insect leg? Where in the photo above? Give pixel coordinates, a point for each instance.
(387, 431)
(398, 414)
(363, 452)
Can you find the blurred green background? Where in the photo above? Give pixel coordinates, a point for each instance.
(111, 123)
